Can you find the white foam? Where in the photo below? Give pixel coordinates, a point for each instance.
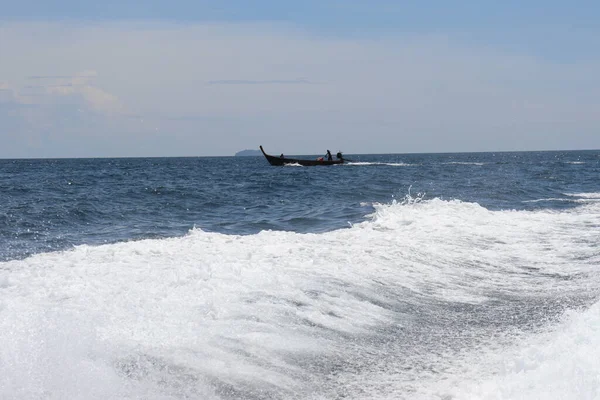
(4, 282)
(560, 363)
(186, 316)
(358, 163)
(584, 195)
(465, 163)
(549, 199)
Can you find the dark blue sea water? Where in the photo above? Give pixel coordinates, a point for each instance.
(416, 276)
(56, 204)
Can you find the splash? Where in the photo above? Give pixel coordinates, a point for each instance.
(388, 308)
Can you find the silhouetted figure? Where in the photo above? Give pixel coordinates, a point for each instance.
(329, 158)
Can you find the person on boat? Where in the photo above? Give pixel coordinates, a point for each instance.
(339, 155)
(329, 158)
(281, 155)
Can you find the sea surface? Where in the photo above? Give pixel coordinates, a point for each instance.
(396, 276)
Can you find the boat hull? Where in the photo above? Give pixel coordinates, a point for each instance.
(279, 161)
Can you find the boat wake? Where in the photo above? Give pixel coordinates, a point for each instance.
(465, 163)
(359, 163)
(426, 299)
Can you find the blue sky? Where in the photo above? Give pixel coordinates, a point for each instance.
(179, 78)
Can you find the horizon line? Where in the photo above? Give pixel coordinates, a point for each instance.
(307, 154)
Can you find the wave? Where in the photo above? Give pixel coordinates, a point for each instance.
(584, 195)
(557, 363)
(549, 199)
(391, 164)
(466, 163)
(389, 308)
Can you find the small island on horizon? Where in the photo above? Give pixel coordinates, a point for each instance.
(246, 153)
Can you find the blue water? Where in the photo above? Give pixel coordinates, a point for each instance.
(52, 204)
(395, 276)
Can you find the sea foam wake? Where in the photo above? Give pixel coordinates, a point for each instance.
(428, 299)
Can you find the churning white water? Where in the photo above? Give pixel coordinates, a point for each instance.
(428, 299)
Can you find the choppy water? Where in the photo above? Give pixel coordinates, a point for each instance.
(450, 276)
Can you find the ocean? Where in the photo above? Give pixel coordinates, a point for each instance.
(395, 276)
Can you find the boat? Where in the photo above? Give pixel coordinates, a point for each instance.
(281, 160)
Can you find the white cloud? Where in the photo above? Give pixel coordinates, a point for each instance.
(404, 93)
(80, 85)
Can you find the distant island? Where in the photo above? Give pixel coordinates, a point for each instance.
(246, 153)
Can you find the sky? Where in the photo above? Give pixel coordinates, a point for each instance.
(133, 78)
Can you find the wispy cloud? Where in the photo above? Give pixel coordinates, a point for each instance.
(6, 93)
(40, 77)
(50, 86)
(79, 84)
(85, 74)
(299, 81)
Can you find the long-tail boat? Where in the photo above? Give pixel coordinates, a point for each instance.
(281, 160)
